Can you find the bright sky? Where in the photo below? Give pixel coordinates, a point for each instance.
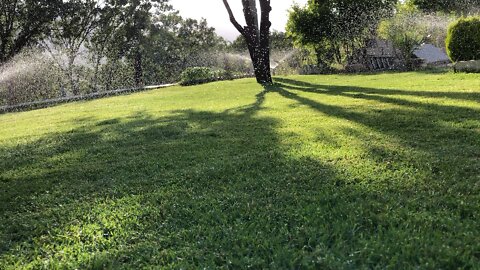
(216, 15)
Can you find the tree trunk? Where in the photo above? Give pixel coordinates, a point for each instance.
(322, 64)
(3, 49)
(11, 98)
(109, 77)
(98, 59)
(62, 91)
(138, 68)
(257, 37)
(71, 75)
(261, 63)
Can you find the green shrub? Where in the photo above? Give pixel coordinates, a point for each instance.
(198, 75)
(463, 39)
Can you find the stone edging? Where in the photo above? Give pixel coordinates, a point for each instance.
(467, 66)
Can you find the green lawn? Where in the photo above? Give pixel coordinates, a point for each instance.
(317, 172)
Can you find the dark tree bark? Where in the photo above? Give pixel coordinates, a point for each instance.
(257, 36)
(138, 68)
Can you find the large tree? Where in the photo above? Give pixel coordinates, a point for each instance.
(174, 43)
(103, 43)
(69, 34)
(135, 23)
(23, 23)
(257, 35)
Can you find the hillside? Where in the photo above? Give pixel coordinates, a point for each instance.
(335, 172)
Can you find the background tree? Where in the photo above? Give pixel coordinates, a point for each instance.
(103, 44)
(100, 45)
(334, 29)
(407, 30)
(447, 6)
(70, 32)
(136, 19)
(278, 41)
(313, 26)
(196, 40)
(238, 45)
(256, 36)
(174, 44)
(161, 51)
(410, 27)
(23, 23)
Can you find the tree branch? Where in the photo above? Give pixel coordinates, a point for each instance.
(232, 18)
(265, 23)
(251, 14)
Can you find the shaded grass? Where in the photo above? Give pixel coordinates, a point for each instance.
(335, 172)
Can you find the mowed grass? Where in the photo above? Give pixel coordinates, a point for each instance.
(317, 172)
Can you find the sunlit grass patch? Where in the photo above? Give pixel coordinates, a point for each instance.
(339, 172)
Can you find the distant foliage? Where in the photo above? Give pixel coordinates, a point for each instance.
(30, 77)
(233, 62)
(24, 23)
(437, 26)
(239, 45)
(334, 29)
(279, 41)
(410, 27)
(115, 74)
(463, 40)
(196, 74)
(447, 6)
(109, 44)
(199, 75)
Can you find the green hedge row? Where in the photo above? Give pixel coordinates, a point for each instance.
(463, 39)
(199, 75)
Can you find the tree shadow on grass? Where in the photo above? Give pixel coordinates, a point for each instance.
(206, 189)
(443, 140)
(427, 126)
(305, 86)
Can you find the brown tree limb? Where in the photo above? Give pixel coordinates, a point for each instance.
(265, 23)
(232, 18)
(257, 37)
(251, 14)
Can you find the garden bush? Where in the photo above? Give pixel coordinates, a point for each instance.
(463, 39)
(196, 75)
(199, 75)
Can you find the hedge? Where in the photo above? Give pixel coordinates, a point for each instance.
(199, 75)
(463, 39)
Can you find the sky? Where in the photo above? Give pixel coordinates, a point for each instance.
(216, 15)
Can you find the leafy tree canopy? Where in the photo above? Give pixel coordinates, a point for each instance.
(23, 23)
(278, 41)
(447, 6)
(334, 28)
